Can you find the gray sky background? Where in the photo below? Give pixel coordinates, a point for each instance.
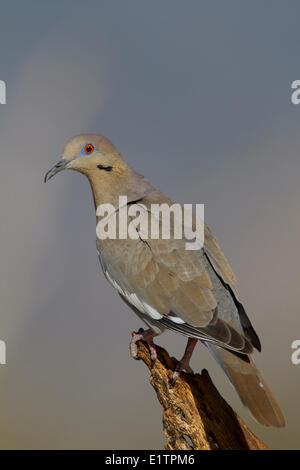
(196, 96)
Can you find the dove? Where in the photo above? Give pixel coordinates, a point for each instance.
(191, 292)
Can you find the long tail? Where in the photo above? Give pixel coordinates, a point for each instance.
(251, 387)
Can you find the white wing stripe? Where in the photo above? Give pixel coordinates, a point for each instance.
(132, 298)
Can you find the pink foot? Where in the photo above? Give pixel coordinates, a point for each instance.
(147, 336)
(184, 363)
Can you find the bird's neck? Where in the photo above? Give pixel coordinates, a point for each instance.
(108, 186)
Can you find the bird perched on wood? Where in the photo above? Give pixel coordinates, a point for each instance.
(192, 292)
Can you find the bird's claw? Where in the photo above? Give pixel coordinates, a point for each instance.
(134, 351)
(184, 364)
(133, 346)
(148, 337)
(181, 365)
(153, 353)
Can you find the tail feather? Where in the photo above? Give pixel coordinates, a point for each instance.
(250, 385)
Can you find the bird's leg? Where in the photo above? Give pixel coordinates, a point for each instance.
(184, 363)
(145, 335)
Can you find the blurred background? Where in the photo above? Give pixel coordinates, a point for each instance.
(196, 95)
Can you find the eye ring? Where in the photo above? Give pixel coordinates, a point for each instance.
(88, 149)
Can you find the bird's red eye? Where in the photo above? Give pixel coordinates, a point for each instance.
(89, 148)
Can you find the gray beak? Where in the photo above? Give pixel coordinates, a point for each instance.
(61, 165)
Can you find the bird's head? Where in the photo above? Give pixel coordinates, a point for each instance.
(89, 154)
(97, 158)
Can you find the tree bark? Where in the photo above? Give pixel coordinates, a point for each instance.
(195, 416)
